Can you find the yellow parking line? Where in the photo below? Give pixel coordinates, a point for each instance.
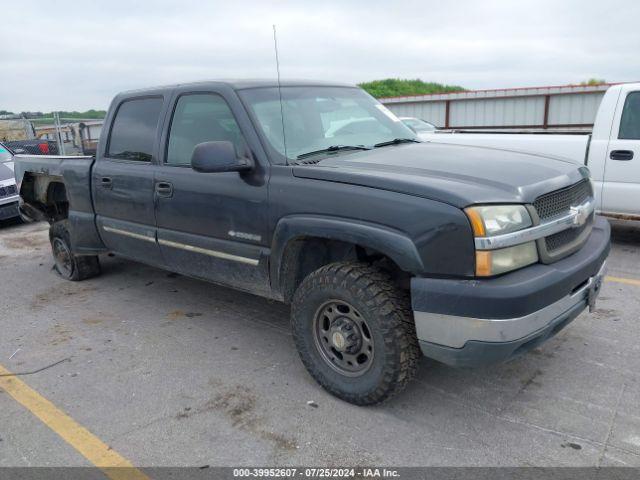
(91, 447)
(628, 281)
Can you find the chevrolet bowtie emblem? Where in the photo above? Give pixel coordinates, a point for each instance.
(581, 214)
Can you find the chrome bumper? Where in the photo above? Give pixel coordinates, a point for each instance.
(11, 199)
(455, 331)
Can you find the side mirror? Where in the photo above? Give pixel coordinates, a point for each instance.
(215, 157)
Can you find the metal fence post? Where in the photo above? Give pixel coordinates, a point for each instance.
(56, 119)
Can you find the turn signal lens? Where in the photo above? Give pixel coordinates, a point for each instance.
(476, 222)
(495, 262)
(483, 263)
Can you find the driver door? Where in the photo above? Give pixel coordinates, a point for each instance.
(211, 225)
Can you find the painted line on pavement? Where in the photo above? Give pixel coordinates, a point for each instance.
(113, 465)
(627, 281)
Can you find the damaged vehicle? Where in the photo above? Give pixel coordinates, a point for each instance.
(318, 196)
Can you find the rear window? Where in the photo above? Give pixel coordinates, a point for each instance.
(630, 122)
(134, 129)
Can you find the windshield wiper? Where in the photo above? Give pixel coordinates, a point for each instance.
(396, 141)
(333, 148)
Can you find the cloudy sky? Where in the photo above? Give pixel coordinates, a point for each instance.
(75, 55)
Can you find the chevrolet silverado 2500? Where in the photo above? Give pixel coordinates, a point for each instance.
(316, 195)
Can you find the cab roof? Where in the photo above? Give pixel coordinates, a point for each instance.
(241, 84)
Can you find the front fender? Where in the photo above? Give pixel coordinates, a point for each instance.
(392, 243)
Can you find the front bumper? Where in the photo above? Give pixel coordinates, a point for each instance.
(9, 209)
(480, 322)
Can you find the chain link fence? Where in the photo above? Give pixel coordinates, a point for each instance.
(53, 135)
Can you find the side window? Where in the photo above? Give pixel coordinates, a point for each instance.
(630, 121)
(134, 129)
(200, 118)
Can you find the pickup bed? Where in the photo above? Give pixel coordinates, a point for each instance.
(611, 151)
(316, 195)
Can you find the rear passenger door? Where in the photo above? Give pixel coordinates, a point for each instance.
(212, 225)
(621, 187)
(123, 180)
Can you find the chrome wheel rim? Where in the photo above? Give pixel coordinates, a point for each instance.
(343, 338)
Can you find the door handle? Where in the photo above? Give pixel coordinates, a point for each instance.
(164, 189)
(625, 155)
(106, 182)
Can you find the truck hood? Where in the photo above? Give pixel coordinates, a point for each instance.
(456, 174)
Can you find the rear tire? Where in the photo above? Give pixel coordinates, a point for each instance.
(69, 266)
(355, 332)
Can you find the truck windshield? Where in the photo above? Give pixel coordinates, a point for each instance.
(321, 120)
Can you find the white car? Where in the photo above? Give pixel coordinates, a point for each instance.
(8, 189)
(611, 151)
(418, 125)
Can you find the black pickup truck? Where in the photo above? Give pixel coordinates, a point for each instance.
(318, 196)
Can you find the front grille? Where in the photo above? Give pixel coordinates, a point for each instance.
(7, 191)
(558, 203)
(565, 237)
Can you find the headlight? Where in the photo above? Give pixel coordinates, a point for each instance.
(493, 220)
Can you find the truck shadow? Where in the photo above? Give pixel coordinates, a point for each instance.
(10, 224)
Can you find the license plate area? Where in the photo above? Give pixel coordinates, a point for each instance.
(594, 289)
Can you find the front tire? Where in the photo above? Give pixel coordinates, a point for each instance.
(67, 265)
(355, 332)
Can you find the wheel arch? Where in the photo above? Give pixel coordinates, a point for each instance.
(303, 243)
(47, 198)
(44, 197)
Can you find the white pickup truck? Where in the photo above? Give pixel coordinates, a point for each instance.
(611, 151)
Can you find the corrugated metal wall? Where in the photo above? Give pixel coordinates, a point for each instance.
(498, 111)
(433, 112)
(571, 106)
(574, 108)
